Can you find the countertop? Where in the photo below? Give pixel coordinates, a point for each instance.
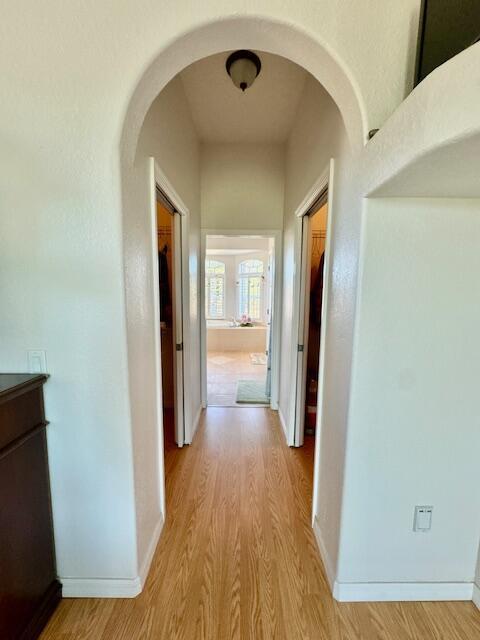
(10, 382)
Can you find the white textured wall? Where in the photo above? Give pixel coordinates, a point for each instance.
(414, 432)
(434, 129)
(476, 588)
(319, 135)
(168, 134)
(69, 76)
(62, 288)
(477, 572)
(242, 186)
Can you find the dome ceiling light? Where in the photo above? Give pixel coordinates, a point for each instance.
(243, 67)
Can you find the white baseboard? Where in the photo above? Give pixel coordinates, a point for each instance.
(323, 554)
(402, 591)
(476, 596)
(113, 587)
(147, 561)
(393, 591)
(101, 588)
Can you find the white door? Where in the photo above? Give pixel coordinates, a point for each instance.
(269, 315)
(178, 331)
(302, 336)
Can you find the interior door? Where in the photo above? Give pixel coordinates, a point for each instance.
(302, 336)
(269, 315)
(178, 356)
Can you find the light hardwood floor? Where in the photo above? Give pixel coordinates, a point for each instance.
(237, 558)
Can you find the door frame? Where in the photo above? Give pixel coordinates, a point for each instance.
(301, 303)
(277, 235)
(158, 178)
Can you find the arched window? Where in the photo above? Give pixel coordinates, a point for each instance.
(250, 288)
(214, 289)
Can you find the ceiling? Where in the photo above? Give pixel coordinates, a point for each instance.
(264, 113)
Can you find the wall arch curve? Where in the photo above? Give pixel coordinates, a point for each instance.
(258, 33)
(255, 32)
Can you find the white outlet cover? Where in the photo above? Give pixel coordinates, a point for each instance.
(37, 361)
(422, 520)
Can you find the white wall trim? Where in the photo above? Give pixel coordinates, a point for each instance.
(393, 591)
(203, 322)
(320, 184)
(324, 181)
(402, 591)
(476, 596)
(164, 183)
(101, 588)
(156, 337)
(113, 587)
(323, 554)
(330, 171)
(166, 186)
(147, 561)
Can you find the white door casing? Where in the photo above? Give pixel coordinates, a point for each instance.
(181, 316)
(300, 321)
(178, 332)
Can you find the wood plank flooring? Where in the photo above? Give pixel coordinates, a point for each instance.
(237, 559)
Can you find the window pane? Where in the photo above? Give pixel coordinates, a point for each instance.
(214, 267)
(243, 296)
(250, 288)
(254, 286)
(251, 266)
(214, 296)
(214, 288)
(250, 296)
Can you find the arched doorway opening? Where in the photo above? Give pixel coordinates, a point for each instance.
(261, 35)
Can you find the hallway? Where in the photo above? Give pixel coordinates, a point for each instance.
(237, 558)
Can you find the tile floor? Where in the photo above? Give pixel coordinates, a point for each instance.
(224, 370)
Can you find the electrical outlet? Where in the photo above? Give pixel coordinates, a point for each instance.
(37, 361)
(422, 520)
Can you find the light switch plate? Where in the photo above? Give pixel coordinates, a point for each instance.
(37, 361)
(423, 518)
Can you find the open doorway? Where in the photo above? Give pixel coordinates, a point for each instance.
(313, 258)
(170, 298)
(317, 232)
(239, 330)
(165, 231)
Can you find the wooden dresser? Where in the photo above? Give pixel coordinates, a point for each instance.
(29, 589)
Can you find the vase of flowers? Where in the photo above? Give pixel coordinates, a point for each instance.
(246, 321)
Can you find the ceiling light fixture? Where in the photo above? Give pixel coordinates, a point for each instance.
(243, 67)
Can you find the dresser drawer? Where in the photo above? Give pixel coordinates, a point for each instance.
(27, 556)
(29, 589)
(19, 414)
